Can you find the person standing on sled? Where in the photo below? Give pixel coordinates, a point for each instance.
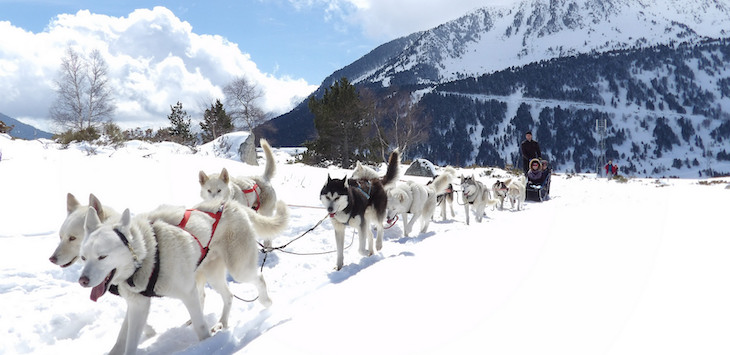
(530, 150)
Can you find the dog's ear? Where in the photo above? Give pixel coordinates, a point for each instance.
(94, 202)
(71, 203)
(202, 178)
(328, 178)
(224, 176)
(126, 218)
(92, 222)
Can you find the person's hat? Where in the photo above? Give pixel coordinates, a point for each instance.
(528, 132)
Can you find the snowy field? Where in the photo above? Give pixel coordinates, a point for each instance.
(602, 268)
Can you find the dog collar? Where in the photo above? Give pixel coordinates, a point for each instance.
(149, 291)
(125, 241)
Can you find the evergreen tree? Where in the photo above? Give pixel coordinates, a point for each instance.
(215, 122)
(339, 121)
(179, 131)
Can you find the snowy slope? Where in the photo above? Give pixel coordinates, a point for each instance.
(491, 39)
(602, 268)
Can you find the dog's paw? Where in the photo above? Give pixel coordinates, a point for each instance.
(217, 328)
(364, 252)
(266, 302)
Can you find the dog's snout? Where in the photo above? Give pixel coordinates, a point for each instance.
(53, 259)
(84, 281)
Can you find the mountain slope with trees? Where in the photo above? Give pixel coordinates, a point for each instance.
(652, 69)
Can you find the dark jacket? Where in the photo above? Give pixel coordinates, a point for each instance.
(530, 149)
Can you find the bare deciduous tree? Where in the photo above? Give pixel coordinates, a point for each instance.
(397, 120)
(242, 100)
(84, 97)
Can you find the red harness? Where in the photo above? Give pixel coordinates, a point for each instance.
(216, 216)
(257, 203)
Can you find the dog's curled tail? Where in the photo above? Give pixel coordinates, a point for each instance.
(391, 176)
(441, 182)
(451, 171)
(270, 168)
(269, 227)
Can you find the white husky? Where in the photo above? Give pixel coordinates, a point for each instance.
(445, 197)
(143, 259)
(516, 191)
(126, 255)
(226, 224)
(226, 235)
(475, 195)
(253, 191)
(416, 199)
(72, 229)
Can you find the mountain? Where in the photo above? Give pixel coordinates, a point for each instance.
(538, 43)
(492, 39)
(22, 130)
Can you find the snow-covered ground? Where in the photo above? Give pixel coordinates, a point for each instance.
(602, 268)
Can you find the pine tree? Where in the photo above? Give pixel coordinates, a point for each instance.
(179, 131)
(339, 121)
(215, 122)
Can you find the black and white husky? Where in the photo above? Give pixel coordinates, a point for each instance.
(359, 203)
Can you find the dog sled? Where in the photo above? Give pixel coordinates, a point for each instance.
(539, 190)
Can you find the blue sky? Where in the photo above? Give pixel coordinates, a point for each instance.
(283, 38)
(287, 46)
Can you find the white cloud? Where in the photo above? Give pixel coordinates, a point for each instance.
(154, 59)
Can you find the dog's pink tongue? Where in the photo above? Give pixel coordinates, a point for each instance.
(98, 291)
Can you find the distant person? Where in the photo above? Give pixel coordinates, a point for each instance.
(530, 150)
(611, 170)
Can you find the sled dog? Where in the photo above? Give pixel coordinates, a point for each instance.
(226, 235)
(364, 172)
(500, 191)
(445, 197)
(475, 195)
(416, 199)
(359, 203)
(142, 258)
(215, 240)
(253, 191)
(231, 226)
(516, 188)
(72, 229)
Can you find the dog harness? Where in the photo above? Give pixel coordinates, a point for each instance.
(367, 183)
(216, 216)
(150, 290)
(254, 190)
